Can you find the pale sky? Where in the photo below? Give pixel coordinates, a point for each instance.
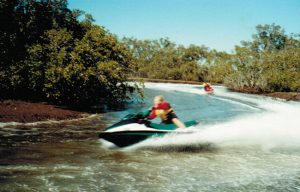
(218, 24)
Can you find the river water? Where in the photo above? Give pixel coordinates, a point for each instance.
(243, 143)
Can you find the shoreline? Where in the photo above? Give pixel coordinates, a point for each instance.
(30, 112)
(165, 81)
(289, 96)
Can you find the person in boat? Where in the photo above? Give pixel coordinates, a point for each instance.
(208, 87)
(164, 110)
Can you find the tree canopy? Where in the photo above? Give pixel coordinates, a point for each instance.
(269, 62)
(50, 55)
(163, 59)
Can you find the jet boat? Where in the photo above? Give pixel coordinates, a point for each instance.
(133, 129)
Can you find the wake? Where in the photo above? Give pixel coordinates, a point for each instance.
(277, 125)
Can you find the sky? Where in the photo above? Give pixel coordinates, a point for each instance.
(217, 24)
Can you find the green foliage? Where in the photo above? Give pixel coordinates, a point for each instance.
(271, 62)
(268, 38)
(81, 71)
(218, 66)
(61, 59)
(162, 59)
(49, 54)
(23, 23)
(268, 63)
(282, 70)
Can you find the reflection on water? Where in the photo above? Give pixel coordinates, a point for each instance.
(67, 156)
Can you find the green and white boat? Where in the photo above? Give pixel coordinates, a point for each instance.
(133, 129)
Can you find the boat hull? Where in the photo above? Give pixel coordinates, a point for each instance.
(126, 138)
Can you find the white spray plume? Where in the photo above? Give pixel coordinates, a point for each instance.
(277, 126)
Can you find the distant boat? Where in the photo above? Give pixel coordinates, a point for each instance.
(208, 88)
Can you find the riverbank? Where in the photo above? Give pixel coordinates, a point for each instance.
(27, 112)
(165, 81)
(289, 96)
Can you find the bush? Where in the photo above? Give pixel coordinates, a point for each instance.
(162, 59)
(270, 63)
(79, 71)
(49, 55)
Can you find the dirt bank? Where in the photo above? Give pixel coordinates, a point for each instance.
(289, 96)
(25, 112)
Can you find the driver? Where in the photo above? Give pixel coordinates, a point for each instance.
(164, 110)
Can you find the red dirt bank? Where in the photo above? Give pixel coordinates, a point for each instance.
(25, 112)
